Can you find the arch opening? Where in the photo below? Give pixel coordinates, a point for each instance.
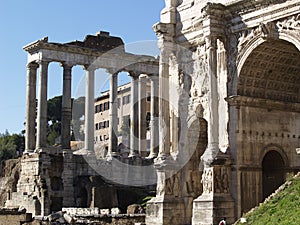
(272, 172)
(271, 72)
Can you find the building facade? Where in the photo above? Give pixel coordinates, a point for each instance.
(123, 119)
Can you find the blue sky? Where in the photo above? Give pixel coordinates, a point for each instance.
(22, 22)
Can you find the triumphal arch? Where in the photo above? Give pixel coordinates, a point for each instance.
(225, 111)
(232, 69)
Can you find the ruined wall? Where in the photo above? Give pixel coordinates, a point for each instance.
(9, 176)
(14, 217)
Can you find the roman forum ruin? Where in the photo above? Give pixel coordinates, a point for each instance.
(225, 113)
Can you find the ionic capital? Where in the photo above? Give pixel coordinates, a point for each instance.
(90, 68)
(134, 74)
(67, 65)
(43, 62)
(113, 71)
(32, 66)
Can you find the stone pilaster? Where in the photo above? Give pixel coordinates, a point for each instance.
(89, 110)
(30, 107)
(41, 141)
(66, 113)
(154, 126)
(142, 116)
(113, 115)
(134, 116)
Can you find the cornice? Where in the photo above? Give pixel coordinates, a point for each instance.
(238, 100)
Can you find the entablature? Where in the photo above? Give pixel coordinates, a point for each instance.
(115, 59)
(238, 100)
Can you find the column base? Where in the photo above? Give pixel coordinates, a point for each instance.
(210, 209)
(165, 210)
(133, 155)
(28, 151)
(84, 152)
(151, 156)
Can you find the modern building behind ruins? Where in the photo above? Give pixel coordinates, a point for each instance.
(123, 119)
(228, 106)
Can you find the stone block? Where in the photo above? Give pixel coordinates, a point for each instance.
(104, 211)
(115, 211)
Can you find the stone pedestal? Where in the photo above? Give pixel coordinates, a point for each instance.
(168, 205)
(165, 211)
(216, 202)
(68, 179)
(211, 209)
(33, 186)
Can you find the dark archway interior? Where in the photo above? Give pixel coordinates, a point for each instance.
(273, 172)
(272, 71)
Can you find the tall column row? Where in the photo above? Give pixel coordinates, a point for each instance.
(36, 134)
(36, 122)
(138, 120)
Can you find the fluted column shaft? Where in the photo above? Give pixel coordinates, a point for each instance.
(89, 109)
(113, 114)
(134, 116)
(154, 126)
(164, 107)
(66, 110)
(213, 123)
(30, 107)
(142, 115)
(42, 106)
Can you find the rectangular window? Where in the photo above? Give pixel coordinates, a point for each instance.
(124, 100)
(100, 125)
(104, 124)
(97, 128)
(107, 123)
(148, 97)
(100, 107)
(128, 99)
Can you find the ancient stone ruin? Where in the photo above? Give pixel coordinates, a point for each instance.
(225, 115)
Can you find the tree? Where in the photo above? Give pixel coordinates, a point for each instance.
(54, 119)
(10, 144)
(77, 117)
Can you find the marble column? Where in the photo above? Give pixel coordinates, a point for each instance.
(164, 105)
(89, 110)
(41, 141)
(134, 116)
(142, 115)
(66, 110)
(30, 107)
(154, 126)
(213, 101)
(113, 115)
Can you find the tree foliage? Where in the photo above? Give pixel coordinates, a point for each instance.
(10, 144)
(54, 108)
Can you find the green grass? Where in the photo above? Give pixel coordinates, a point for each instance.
(283, 208)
